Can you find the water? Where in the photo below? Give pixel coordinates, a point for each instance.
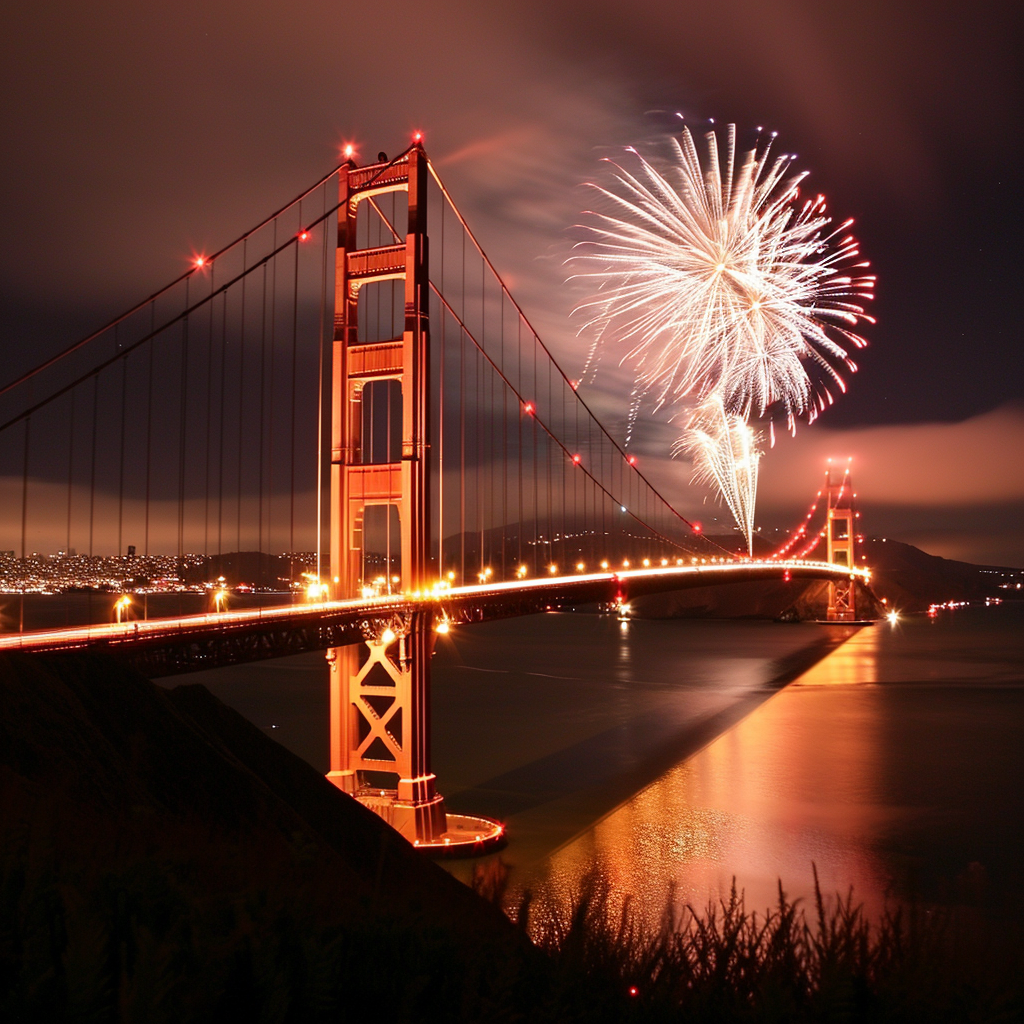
(894, 766)
(685, 754)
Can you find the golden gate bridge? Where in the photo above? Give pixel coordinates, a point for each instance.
(339, 377)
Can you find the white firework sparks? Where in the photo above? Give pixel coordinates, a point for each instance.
(725, 451)
(722, 280)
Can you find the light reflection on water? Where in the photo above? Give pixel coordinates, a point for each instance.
(584, 715)
(793, 783)
(893, 765)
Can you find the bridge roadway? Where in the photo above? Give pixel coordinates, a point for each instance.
(171, 646)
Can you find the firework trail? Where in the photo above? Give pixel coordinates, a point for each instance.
(725, 451)
(720, 282)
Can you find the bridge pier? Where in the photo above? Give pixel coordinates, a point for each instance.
(380, 726)
(380, 735)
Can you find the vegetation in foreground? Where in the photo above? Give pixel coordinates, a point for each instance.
(725, 963)
(139, 946)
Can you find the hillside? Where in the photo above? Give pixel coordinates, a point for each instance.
(911, 579)
(161, 855)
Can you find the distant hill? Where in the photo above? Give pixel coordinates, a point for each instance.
(912, 579)
(162, 859)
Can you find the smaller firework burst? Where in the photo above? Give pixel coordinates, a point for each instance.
(726, 451)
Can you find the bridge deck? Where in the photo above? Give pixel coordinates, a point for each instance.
(170, 646)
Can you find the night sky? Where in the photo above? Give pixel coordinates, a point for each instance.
(136, 134)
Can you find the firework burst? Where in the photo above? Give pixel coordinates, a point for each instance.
(730, 297)
(721, 280)
(725, 451)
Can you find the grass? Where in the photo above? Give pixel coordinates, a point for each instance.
(144, 944)
(792, 963)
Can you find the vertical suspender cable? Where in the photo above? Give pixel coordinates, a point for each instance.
(462, 420)
(320, 397)
(270, 400)
(120, 474)
(92, 466)
(440, 423)
(263, 349)
(291, 455)
(241, 391)
(92, 476)
(551, 507)
(519, 444)
(71, 463)
(209, 419)
(481, 448)
(149, 447)
(24, 521)
(440, 449)
(536, 469)
(220, 432)
(504, 443)
(182, 421)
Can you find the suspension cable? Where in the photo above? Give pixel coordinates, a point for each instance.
(166, 288)
(184, 314)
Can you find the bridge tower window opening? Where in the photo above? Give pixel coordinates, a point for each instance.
(381, 548)
(381, 217)
(381, 311)
(381, 426)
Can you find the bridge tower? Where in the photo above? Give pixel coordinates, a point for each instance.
(840, 535)
(379, 691)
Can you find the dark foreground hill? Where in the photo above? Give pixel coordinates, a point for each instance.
(162, 859)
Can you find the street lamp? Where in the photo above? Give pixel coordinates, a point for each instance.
(121, 606)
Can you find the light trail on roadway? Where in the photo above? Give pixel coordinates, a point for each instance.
(440, 597)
